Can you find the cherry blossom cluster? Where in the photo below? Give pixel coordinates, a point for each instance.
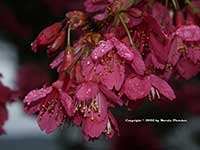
(123, 51)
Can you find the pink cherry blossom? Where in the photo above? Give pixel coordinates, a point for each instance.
(125, 52)
(93, 105)
(116, 53)
(140, 87)
(52, 104)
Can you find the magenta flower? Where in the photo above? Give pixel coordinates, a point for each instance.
(90, 90)
(123, 52)
(111, 71)
(93, 105)
(137, 87)
(183, 53)
(93, 129)
(52, 104)
(126, 53)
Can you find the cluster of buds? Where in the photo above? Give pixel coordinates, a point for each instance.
(126, 51)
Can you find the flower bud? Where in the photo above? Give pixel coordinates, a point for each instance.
(68, 58)
(58, 42)
(46, 36)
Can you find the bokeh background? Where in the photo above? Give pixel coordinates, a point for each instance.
(20, 22)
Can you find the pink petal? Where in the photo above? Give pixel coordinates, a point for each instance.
(154, 25)
(91, 6)
(162, 15)
(138, 63)
(112, 74)
(163, 87)
(67, 103)
(157, 48)
(101, 16)
(35, 95)
(137, 88)
(111, 96)
(58, 60)
(33, 107)
(103, 107)
(58, 84)
(158, 12)
(92, 129)
(114, 125)
(49, 122)
(194, 55)
(187, 69)
(87, 91)
(174, 54)
(122, 49)
(88, 68)
(102, 49)
(151, 59)
(107, 78)
(189, 32)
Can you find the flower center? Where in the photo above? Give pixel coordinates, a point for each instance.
(88, 108)
(50, 108)
(141, 38)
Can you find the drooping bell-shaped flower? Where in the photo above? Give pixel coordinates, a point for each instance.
(53, 105)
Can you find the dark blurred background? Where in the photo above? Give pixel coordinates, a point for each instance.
(20, 23)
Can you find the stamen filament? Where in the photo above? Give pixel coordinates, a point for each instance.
(68, 37)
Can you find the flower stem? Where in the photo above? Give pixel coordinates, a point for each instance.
(127, 30)
(176, 5)
(69, 69)
(68, 37)
(166, 3)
